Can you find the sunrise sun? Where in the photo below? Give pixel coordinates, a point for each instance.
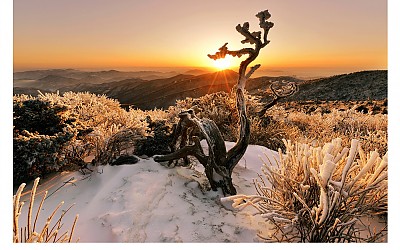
(223, 63)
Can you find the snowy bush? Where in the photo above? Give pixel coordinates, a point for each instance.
(42, 132)
(39, 116)
(270, 133)
(105, 129)
(321, 194)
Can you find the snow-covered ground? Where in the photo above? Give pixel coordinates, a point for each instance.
(147, 202)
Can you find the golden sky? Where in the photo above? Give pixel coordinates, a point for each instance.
(339, 34)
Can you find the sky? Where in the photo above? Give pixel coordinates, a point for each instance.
(338, 35)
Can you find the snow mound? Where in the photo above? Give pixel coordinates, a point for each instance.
(147, 202)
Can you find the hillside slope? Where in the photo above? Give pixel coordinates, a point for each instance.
(363, 85)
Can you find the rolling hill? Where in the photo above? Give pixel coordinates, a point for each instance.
(147, 94)
(357, 86)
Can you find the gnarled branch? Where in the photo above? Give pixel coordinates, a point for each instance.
(279, 93)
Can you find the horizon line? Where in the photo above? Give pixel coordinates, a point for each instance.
(305, 72)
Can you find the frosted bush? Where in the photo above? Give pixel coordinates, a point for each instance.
(42, 133)
(107, 129)
(321, 194)
(218, 107)
(270, 132)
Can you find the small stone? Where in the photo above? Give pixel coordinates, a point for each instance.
(125, 159)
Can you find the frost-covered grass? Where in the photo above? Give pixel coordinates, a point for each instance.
(32, 232)
(319, 127)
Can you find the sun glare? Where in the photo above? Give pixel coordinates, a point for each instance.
(223, 63)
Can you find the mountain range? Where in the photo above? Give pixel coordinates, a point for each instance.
(152, 89)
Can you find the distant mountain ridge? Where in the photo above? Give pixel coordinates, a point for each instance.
(362, 85)
(163, 92)
(94, 77)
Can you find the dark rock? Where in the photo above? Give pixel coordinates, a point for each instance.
(125, 159)
(362, 109)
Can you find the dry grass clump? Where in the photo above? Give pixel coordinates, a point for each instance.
(321, 194)
(31, 234)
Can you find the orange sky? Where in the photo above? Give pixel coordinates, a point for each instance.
(341, 34)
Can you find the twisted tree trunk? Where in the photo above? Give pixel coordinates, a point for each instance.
(219, 163)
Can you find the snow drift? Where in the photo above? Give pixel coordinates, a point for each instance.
(147, 202)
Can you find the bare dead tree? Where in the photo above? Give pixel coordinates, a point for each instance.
(278, 93)
(219, 163)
